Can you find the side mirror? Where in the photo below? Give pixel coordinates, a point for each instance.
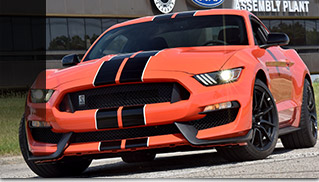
(276, 39)
(70, 60)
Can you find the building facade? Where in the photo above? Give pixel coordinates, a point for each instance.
(71, 26)
(75, 24)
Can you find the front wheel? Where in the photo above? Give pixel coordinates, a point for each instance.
(264, 126)
(64, 167)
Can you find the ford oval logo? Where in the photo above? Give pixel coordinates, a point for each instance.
(207, 3)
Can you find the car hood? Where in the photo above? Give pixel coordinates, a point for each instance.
(188, 60)
(191, 60)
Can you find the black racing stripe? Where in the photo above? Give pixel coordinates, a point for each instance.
(163, 17)
(109, 69)
(132, 116)
(136, 143)
(106, 118)
(274, 57)
(134, 67)
(185, 14)
(110, 145)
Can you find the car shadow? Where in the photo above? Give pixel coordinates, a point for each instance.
(281, 150)
(161, 164)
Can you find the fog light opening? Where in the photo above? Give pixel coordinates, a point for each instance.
(224, 105)
(39, 124)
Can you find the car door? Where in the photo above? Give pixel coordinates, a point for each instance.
(278, 66)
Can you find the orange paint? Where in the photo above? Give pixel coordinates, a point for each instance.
(176, 65)
(123, 144)
(118, 75)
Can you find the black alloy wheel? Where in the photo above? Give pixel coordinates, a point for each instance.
(307, 134)
(264, 126)
(311, 107)
(264, 120)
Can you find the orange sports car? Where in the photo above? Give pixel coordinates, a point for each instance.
(174, 82)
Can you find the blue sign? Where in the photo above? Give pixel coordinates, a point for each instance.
(208, 3)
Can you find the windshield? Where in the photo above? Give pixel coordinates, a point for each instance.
(177, 32)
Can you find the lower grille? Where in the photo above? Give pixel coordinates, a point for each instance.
(125, 133)
(216, 118)
(45, 135)
(211, 120)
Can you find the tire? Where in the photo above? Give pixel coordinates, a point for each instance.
(264, 126)
(64, 167)
(308, 133)
(139, 156)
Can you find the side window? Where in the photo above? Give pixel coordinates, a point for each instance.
(260, 34)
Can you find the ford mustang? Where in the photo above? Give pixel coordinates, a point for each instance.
(174, 82)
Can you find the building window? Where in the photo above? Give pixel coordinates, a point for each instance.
(38, 35)
(286, 26)
(6, 39)
(266, 23)
(93, 29)
(76, 33)
(59, 34)
(22, 36)
(311, 33)
(299, 32)
(122, 20)
(107, 23)
(47, 33)
(274, 25)
(80, 33)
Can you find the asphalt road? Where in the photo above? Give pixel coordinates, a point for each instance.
(299, 163)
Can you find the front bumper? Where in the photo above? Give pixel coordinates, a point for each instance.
(188, 131)
(160, 114)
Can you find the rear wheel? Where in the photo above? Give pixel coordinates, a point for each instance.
(138, 156)
(264, 126)
(307, 135)
(65, 167)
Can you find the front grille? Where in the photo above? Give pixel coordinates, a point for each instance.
(125, 95)
(211, 120)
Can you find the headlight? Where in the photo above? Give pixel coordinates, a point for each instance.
(41, 95)
(218, 77)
